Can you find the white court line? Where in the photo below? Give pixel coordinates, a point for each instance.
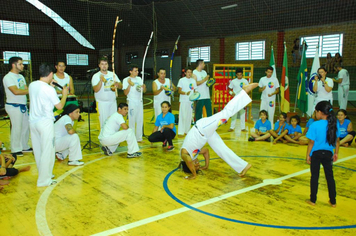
(40, 215)
(203, 203)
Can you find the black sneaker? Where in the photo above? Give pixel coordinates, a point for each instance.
(164, 144)
(170, 148)
(251, 139)
(106, 150)
(133, 155)
(28, 150)
(19, 154)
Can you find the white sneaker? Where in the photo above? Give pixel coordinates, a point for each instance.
(75, 163)
(59, 156)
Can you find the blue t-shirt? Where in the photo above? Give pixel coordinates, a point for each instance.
(284, 127)
(310, 121)
(263, 127)
(292, 130)
(166, 120)
(317, 133)
(343, 127)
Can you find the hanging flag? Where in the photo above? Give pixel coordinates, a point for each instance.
(285, 100)
(274, 74)
(313, 73)
(273, 64)
(302, 102)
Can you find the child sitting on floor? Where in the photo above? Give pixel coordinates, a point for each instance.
(280, 128)
(7, 162)
(294, 130)
(346, 132)
(262, 128)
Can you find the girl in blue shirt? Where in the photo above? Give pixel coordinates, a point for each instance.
(346, 132)
(280, 128)
(262, 128)
(323, 137)
(165, 121)
(294, 130)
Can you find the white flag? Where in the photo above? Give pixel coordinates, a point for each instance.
(313, 73)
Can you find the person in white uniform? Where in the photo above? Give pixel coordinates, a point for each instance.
(105, 83)
(16, 107)
(159, 88)
(205, 131)
(201, 77)
(63, 78)
(186, 86)
(343, 80)
(235, 87)
(66, 140)
(133, 86)
(115, 131)
(43, 99)
(323, 87)
(269, 87)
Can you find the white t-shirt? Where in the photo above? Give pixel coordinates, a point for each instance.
(60, 126)
(271, 85)
(322, 94)
(186, 85)
(344, 75)
(133, 95)
(63, 82)
(236, 84)
(162, 95)
(202, 88)
(43, 97)
(112, 125)
(105, 94)
(12, 79)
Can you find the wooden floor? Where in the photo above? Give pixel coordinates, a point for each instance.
(148, 196)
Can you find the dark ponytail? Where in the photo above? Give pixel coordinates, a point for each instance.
(326, 108)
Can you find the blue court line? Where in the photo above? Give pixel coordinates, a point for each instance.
(165, 186)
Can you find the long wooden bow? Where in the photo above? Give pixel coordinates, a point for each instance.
(171, 66)
(143, 62)
(113, 52)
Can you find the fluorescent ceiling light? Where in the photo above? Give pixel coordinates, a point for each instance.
(229, 6)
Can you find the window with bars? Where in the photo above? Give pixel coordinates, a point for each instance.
(202, 52)
(13, 27)
(331, 43)
(77, 59)
(254, 50)
(26, 56)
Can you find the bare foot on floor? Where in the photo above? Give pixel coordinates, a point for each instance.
(4, 182)
(244, 171)
(230, 130)
(332, 205)
(310, 202)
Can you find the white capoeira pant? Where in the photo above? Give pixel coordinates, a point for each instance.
(241, 113)
(343, 95)
(185, 117)
(69, 145)
(270, 107)
(114, 140)
(42, 136)
(205, 131)
(105, 109)
(20, 130)
(136, 118)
